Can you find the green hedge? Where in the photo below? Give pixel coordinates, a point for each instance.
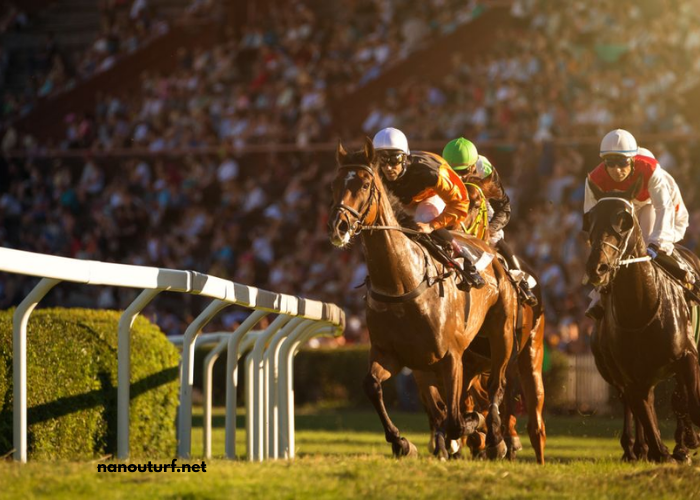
(335, 375)
(72, 385)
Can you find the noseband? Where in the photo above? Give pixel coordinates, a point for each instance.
(359, 217)
(618, 261)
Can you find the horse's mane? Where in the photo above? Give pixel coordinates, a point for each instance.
(488, 186)
(402, 216)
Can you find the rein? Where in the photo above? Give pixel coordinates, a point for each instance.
(619, 262)
(359, 226)
(481, 218)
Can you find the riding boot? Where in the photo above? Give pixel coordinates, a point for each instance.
(528, 297)
(524, 291)
(471, 277)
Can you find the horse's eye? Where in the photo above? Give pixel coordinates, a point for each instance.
(366, 186)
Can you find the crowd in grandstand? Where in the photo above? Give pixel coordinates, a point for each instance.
(125, 25)
(260, 218)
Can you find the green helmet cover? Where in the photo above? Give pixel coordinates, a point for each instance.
(460, 154)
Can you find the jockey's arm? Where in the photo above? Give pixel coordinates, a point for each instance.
(500, 205)
(661, 194)
(450, 188)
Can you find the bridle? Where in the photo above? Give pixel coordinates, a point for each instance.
(359, 225)
(618, 261)
(360, 218)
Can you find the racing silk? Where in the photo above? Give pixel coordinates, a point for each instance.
(427, 175)
(500, 204)
(659, 190)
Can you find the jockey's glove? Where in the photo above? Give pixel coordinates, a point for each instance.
(653, 250)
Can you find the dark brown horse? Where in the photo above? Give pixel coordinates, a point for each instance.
(416, 316)
(477, 362)
(645, 335)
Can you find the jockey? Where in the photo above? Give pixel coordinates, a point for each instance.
(662, 215)
(424, 179)
(462, 156)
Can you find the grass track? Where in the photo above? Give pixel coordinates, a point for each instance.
(342, 454)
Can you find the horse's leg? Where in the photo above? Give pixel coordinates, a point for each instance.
(510, 435)
(500, 325)
(626, 439)
(382, 368)
(476, 402)
(641, 448)
(679, 401)
(642, 403)
(530, 367)
(450, 368)
(689, 372)
(435, 409)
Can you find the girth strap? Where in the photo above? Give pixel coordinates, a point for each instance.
(380, 297)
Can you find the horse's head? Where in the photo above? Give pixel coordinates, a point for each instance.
(479, 190)
(610, 225)
(355, 194)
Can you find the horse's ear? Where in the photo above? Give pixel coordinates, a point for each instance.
(340, 153)
(597, 192)
(626, 222)
(369, 150)
(587, 222)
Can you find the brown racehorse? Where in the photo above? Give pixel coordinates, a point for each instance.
(476, 362)
(645, 335)
(416, 316)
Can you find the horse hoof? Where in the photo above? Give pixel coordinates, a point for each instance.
(682, 458)
(475, 422)
(513, 443)
(404, 448)
(629, 457)
(497, 452)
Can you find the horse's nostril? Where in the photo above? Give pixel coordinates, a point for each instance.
(603, 268)
(343, 226)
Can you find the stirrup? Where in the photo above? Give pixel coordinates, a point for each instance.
(528, 297)
(475, 279)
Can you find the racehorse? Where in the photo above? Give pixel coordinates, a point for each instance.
(477, 361)
(416, 315)
(645, 335)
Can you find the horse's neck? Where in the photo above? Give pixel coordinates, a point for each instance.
(635, 289)
(395, 264)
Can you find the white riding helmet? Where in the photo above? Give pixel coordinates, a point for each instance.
(619, 142)
(391, 138)
(646, 152)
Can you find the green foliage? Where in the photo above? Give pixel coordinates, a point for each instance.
(336, 375)
(72, 385)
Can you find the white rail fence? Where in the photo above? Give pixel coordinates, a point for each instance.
(586, 389)
(270, 419)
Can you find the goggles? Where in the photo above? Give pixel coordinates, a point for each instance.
(391, 157)
(617, 161)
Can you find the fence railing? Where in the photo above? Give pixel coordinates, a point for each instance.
(585, 388)
(297, 319)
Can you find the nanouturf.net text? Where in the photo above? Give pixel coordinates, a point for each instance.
(149, 467)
